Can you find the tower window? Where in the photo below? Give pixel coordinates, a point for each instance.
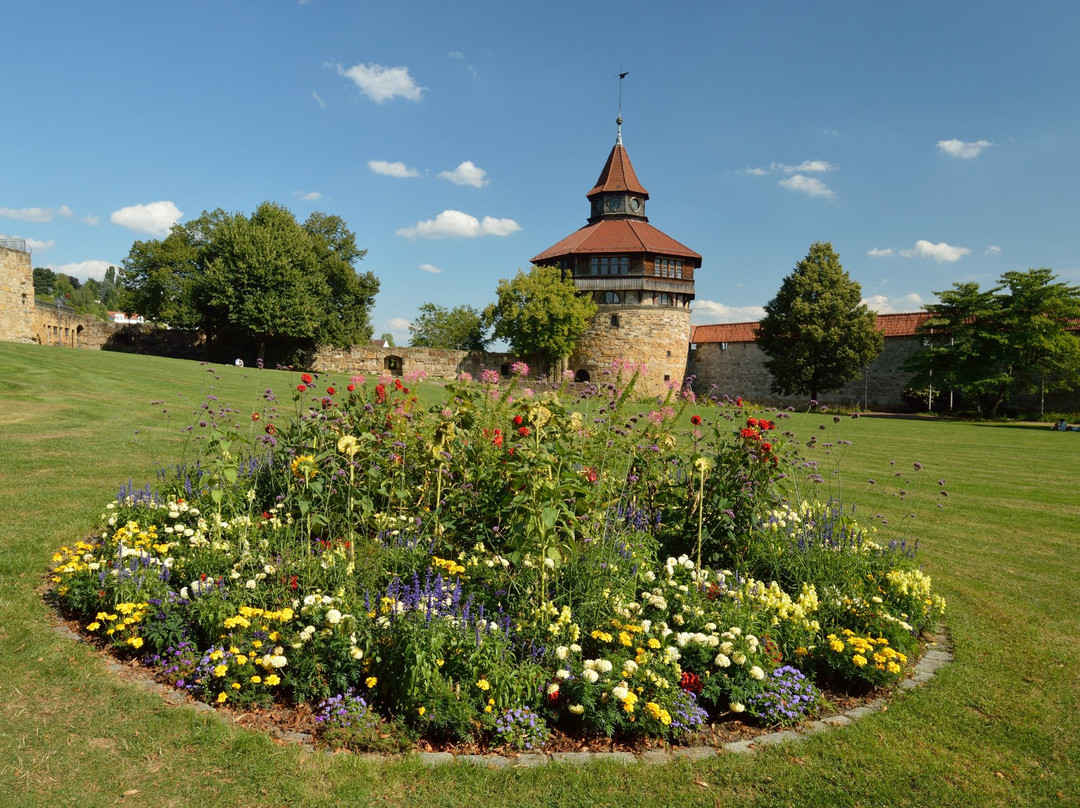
(663, 299)
(609, 265)
(610, 297)
(668, 267)
(614, 321)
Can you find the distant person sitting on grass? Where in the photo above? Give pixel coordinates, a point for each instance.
(1063, 426)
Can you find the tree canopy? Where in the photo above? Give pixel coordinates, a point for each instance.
(816, 332)
(1013, 339)
(540, 314)
(255, 284)
(461, 328)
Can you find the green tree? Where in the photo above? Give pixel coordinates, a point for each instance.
(540, 314)
(388, 338)
(816, 332)
(461, 328)
(255, 284)
(1013, 339)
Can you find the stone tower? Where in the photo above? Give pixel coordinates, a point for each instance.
(641, 279)
(16, 291)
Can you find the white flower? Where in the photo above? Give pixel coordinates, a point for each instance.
(620, 691)
(738, 658)
(561, 652)
(737, 707)
(576, 709)
(726, 647)
(757, 673)
(630, 666)
(603, 665)
(356, 653)
(575, 648)
(250, 584)
(722, 661)
(589, 675)
(333, 617)
(553, 689)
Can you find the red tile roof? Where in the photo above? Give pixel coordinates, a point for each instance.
(617, 236)
(893, 325)
(618, 175)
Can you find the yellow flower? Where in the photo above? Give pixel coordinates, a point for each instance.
(93, 626)
(135, 642)
(625, 639)
(371, 681)
(422, 710)
(272, 680)
(222, 698)
(484, 684)
(859, 660)
(487, 708)
(220, 670)
(235, 685)
(256, 679)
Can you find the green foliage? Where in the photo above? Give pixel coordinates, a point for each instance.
(461, 328)
(1016, 338)
(817, 334)
(262, 285)
(540, 313)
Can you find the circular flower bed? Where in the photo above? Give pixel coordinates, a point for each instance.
(497, 567)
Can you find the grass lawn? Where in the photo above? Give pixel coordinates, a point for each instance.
(1000, 726)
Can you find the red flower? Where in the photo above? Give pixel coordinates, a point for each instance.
(690, 682)
(498, 439)
(306, 378)
(271, 429)
(351, 387)
(255, 416)
(518, 420)
(331, 390)
(738, 402)
(397, 384)
(695, 420)
(301, 387)
(524, 432)
(294, 583)
(380, 393)
(751, 422)
(766, 447)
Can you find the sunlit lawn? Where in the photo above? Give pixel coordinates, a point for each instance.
(997, 727)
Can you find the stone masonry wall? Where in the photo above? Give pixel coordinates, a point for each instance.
(654, 336)
(432, 363)
(63, 327)
(16, 296)
(739, 371)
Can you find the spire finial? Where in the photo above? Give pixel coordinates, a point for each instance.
(618, 121)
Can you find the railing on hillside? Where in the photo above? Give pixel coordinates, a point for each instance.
(14, 243)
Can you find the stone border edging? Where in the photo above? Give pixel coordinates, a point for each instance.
(938, 654)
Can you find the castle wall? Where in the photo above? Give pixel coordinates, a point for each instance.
(431, 363)
(16, 296)
(737, 369)
(654, 336)
(52, 325)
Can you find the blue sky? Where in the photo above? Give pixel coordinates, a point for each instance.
(930, 142)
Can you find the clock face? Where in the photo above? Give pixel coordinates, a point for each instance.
(635, 203)
(615, 203)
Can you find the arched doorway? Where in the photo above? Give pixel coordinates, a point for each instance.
(393, 365)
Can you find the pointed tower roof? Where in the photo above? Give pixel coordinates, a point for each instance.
(618, 174)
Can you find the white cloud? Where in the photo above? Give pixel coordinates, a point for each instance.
(939, 252)
(91, 219)
(809, 166)
(456, 55)
(36, 214)
(434, 270)
(399, 327)
(455, 224)
(155, 218)
(466, 174)
(388, 169)
(34, 244)
(309, 196)
(757, 172)
(383, 83)
(993, 249)
(808, 185)
(703, 312)
(880, 253)
(964, 150)
(318, 99)
(84, 270)
(894, 305)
